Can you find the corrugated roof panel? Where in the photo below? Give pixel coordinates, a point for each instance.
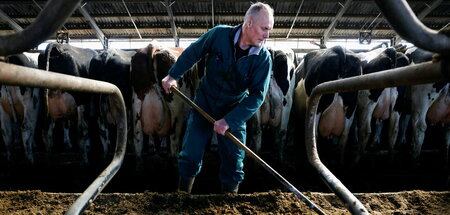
(314, 17)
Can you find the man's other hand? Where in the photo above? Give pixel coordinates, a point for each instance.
(167, 82)
(221, 126)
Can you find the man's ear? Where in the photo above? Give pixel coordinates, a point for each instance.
(250, 23)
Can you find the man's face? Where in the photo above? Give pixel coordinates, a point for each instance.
(259, 27)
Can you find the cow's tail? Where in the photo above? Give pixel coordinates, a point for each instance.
(47, 52)
(340, 52)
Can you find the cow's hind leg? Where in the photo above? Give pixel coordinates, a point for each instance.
(66, 134)
(28, 140)
(32, 105)
(164, 146)
(83, 138)
(138, 134)
(403, 126)
(104, 135)
(6, 130)
(446, 146)
(419, 128)
(344, 139)
(47, 131)
(377, 134)
(393, 133)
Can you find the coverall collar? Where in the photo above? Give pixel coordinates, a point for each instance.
(254, 50)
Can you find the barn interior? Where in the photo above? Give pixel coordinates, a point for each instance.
(302, 25)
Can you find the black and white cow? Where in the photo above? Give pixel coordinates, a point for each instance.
(275, 111)
(401, 111)
(113, 66)
(430, 105)
(19, 110)
(69, 106)
(155, 113)
(335, 111)
(375, 104)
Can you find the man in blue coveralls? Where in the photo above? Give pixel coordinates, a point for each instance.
(233, 88)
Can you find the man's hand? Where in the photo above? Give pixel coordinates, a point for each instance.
(167, 82)
(221, 126)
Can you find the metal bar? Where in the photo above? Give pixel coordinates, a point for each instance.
(172, 21)
(49, 20)
(422, 15)
(295, 19)
(24, 76)
(368, 27)
(94, 26)
(411, 75)
(40, 8)
(252, 154)
(134, 24)
(16, 27)
(409, 27)
(212, 13)
(330, 29)
(428, 10)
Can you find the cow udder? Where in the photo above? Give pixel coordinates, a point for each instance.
(382, 109)
(12, 94)
(61, 105)
(439, 110)
(332, 121)
(155, 115)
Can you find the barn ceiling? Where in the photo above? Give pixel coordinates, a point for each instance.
(315, 18)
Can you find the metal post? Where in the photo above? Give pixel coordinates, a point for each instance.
(410, 75)
(23, 76)
(332, 26)
(100, 36)
(168, 6)
(295, 19)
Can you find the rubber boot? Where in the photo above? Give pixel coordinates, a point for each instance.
(231, 188)
(185, 184)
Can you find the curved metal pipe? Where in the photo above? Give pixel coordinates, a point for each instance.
(49, 20)
(416, 74)
(410, 28)
(23, 76)
(103, 179)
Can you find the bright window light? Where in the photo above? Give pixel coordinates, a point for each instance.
(301, 44)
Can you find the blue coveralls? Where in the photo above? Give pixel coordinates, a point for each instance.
(230, 89)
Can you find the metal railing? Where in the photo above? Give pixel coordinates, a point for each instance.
(409, 27)
(23, 76)
(49, 20)
(406, 24)
(411, 75)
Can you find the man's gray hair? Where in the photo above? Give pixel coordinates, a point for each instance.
(255, 8)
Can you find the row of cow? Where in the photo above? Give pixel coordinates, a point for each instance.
(363, 113)
(159, 119)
